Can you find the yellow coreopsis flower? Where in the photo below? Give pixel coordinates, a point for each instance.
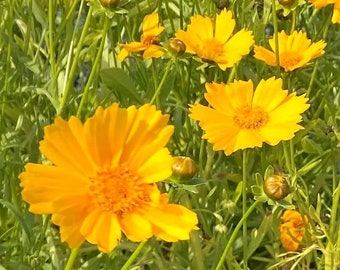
(103, 178)
(295, 51)
(292, 229)
(149, 40)
(240, 118)
(213, 40)
(322, 3)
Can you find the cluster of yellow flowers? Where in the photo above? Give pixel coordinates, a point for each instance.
(243, 118)
(108, 186)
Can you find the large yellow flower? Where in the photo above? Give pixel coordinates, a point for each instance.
(213, 40)
(149, 40)
(240, 118)
(295, 51)
(292, 229)
(322, 3)
(103, 178)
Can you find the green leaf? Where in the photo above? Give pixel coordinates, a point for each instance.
(258, 234)
(117, 80)
(310, 146)
(19, 216)
(39, 14)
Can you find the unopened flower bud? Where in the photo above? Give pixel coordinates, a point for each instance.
(109, 3)
(183, 168)
(221, 4)
(276, 187)
(176, 46)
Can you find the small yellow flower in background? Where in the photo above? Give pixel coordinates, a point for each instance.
(322, 3)
(149, 40)
(240, 118)
(295, 51)
(213, 40)
(103, 179)
(292, 229)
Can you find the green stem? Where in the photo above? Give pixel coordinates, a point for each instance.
(243, 13)
(209, 162)
(94, 67)
(195, 240)
(51, 28)
(197, 250)
(276, 38)
(287, 158)
(293, 21)
(29, 26)
(72, 258)
(310, 86)
(244, 210)
(335, 202)
(165, 75)
(133, 256)
(169, 15)
(232, 74)
(70, 78)
(234, 234)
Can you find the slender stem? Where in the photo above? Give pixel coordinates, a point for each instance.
(234, 234)
(232, 74)
(293, 21)
(195, 240)
(72, 258)
(198, 259)
(51, 28)
(276, 38)
(165, 75)
(315, 68)
(75, 61)
(169, 15)
(9, 23)
(133, 256)
(244, 210)
(292, 160)
(201, 157)
(243, 13)
(94, 67)
(209, 162)
(335, 203)
(287, 157)
(29, 26)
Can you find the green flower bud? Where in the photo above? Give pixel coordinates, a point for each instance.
(176, 46)
(221, 4)
(109, 3)
(183, 168)
(276, 187)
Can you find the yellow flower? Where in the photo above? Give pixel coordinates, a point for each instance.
(322, 3)
(103, 179)
(240, 118)
(149, 40)
(292, 229)
(295, 51)
(213, 40)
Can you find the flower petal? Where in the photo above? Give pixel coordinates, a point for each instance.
(224, 26)
(136, 227)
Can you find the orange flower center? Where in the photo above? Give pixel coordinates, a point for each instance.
(289, 59)
(211, 49)
(251, 118)
(119, 190)
(149, 40)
